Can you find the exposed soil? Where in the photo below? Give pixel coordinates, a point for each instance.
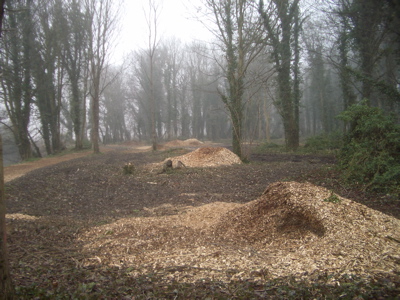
(83, 227)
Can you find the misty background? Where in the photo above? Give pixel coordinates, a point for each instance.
(77, 74)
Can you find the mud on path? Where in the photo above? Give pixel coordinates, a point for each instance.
(82, 227)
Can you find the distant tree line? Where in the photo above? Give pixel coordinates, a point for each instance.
(275, 69)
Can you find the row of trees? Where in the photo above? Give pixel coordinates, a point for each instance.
(353, 53)
(54, 56)
(189, 85)
(279, 67)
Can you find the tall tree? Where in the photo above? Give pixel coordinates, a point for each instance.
(197, 70)
(296, 72)
(366, 30)
(143, 90)
(281, 22)
(239, 38)
(152, 19)
(75, 24)
(366, 16)
(349, 98)
(173, 57)
(17, 72)
(48, 74)
(103, 20)
(184, 83)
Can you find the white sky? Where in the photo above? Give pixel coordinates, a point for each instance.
(177, 18)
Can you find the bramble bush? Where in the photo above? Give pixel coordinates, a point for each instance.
(370, 155)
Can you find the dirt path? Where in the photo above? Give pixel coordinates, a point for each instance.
(15, 171)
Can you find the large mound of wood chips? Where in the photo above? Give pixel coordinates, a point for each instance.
(207, 157)
(292, 229)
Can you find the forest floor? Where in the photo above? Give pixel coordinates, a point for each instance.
(78, 227)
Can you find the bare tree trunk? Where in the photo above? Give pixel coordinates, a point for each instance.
(267, 117)
(152, 24)
(296, 74)
(152, 105)
(95, 119)
(103, 21)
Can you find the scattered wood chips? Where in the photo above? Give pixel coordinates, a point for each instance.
(20, 217)
(292, 229)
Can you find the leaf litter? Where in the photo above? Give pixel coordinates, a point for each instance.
(291, 229)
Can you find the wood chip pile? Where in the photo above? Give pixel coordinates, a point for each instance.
(284, 211)
(207, 157)
(185, 143)
(292, 229)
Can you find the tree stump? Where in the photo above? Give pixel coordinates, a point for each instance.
(129, 169)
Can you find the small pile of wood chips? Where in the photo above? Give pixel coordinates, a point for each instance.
(185, 143)
(207, 157)
(292, 229)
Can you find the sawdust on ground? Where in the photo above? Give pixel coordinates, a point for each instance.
(292, 229)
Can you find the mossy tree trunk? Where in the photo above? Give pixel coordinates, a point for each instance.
(282, 24)
(241, 42)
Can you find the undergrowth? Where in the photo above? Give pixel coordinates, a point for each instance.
(370, 156)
